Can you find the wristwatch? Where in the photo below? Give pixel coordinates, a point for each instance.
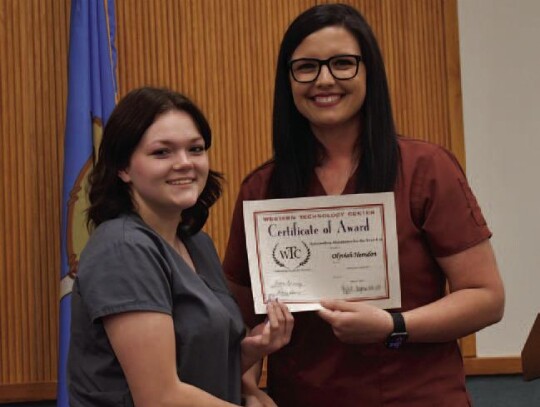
(399, 335)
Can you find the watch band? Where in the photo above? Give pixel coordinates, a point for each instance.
(399, 322)
(399, 335)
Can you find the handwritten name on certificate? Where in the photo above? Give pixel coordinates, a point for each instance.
(302, 250)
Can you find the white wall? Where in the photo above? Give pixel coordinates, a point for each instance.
(500, 73)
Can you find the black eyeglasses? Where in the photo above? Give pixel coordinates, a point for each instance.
(342, 67)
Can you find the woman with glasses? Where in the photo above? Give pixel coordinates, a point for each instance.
(333, 133)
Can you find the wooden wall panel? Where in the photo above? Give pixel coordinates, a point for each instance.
(33, 43)
(222, 53)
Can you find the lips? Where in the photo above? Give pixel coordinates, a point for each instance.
(182, 181)
(326, 100)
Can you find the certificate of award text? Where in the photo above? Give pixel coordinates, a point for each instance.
(303, 250)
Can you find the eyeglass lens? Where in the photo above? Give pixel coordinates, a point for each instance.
(341, 67)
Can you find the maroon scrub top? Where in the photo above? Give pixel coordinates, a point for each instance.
(437, 215)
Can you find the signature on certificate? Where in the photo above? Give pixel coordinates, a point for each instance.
(287, 288)
(353, 287)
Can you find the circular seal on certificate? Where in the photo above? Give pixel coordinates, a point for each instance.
(291, 255)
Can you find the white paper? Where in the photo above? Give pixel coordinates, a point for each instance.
(302, 250)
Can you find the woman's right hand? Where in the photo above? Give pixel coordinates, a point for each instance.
(268, 336)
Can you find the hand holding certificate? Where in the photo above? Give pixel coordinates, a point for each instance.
(303, 250)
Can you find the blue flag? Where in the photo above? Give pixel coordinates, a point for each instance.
(92, 94)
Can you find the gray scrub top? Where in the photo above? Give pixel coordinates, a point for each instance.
(126, 266)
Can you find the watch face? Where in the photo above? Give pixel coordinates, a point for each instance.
(396, 340)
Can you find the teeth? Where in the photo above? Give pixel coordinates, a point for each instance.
(327, 99)
(180, 182)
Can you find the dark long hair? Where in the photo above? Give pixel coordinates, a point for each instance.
(296, 150)
(109, 195)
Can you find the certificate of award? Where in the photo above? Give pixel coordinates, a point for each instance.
(303, 250)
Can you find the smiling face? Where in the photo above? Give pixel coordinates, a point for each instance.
(169, 167)
(328, 102)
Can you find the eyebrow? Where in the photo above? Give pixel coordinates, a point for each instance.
(168, 142)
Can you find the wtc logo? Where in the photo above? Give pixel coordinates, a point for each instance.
(291, 256)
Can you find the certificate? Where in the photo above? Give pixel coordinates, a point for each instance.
(303, 250)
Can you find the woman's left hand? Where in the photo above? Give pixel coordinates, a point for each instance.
(357, 322)
(268, 336)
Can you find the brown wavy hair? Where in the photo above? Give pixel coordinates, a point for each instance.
(109, 196)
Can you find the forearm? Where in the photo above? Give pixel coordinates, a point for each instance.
(250, 361)
(253, 394)
(181, 394)
(476, 298)
(458, 314)
(251, 377)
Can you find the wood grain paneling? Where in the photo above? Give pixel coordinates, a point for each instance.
(33, 41)
(493, 365)
(222, 54)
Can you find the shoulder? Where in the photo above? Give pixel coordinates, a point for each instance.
(419, 148)
(255, 184)
(260, 174)
(126, 231)
(124, 267)
(124, 249)
(129, 227)
(422, 155)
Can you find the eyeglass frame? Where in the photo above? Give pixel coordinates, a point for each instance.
(326, 62)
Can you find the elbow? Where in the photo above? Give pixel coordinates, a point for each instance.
(499, 312)
(497, 307)
(167, 397)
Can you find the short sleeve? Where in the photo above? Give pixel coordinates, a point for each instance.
(121, 275)
(444, 205)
